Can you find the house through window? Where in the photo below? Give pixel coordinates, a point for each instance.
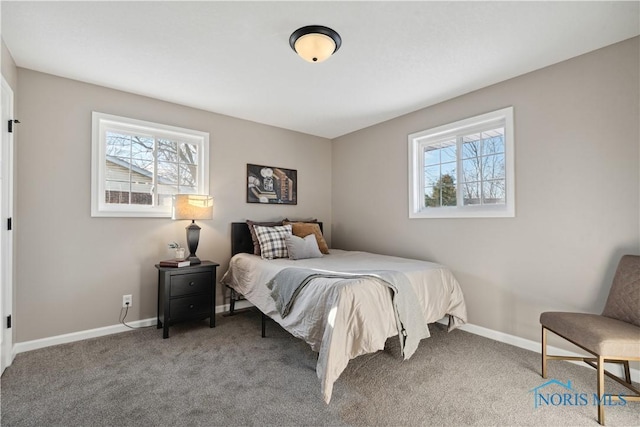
(138, 166)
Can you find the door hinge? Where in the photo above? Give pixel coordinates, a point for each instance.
(9, 322)
(9, 223)
(11, 122)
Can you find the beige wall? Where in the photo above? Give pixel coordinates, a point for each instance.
(72, 269)
(577, 197)
(577, 192)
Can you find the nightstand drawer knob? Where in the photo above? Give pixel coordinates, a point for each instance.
(192, 283)
(191, 306)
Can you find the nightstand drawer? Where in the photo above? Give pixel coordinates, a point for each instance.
(195, 283)
(190, 306)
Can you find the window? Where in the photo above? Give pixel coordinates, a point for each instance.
(137, 166)
(464, 169)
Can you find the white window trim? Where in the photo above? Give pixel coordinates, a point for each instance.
(416, 169)
(100, 121)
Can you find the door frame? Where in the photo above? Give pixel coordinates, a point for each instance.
(6, 235)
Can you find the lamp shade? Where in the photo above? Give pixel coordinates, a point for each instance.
(315, 43)
(192, 206)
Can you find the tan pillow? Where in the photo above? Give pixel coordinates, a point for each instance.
(303, 229)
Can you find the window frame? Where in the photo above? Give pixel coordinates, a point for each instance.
(419, 140)
(101, 123)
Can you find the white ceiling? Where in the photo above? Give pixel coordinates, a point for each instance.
(234, 58)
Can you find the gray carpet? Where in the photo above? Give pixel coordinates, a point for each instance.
(230, 376)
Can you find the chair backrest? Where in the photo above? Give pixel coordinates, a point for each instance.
(623, 302)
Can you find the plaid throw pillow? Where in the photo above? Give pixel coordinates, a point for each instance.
(272, 241)
(254, 238)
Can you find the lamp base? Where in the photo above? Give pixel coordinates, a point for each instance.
(194, 260)
(193, 237)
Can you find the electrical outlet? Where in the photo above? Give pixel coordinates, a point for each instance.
(127, 301)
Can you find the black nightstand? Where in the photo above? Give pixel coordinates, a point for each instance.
(186, 293)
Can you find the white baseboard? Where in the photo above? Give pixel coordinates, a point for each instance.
(80, 335)
(535, 346)
(100, 332)
(473, 329)
(239, 306)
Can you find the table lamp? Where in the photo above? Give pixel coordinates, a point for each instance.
(192, 206)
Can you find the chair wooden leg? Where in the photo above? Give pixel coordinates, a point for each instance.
(600, 390)
(627, 372)
(544, 352)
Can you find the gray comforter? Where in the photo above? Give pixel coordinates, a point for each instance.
(289, 282)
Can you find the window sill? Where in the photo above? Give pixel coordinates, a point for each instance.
(468, 212)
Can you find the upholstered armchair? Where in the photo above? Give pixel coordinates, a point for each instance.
(613, 336)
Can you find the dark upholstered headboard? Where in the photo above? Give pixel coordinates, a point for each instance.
(241, 238)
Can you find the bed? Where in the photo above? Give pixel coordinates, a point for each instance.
(343, 318)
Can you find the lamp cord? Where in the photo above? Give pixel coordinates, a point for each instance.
(122, 318)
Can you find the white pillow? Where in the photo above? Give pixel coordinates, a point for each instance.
(302, 248)
(272, 244)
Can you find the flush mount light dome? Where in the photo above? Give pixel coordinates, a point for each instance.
(315, 43)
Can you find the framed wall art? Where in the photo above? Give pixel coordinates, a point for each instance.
(272, 185)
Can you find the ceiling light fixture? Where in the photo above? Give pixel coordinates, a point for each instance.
(315, 43)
